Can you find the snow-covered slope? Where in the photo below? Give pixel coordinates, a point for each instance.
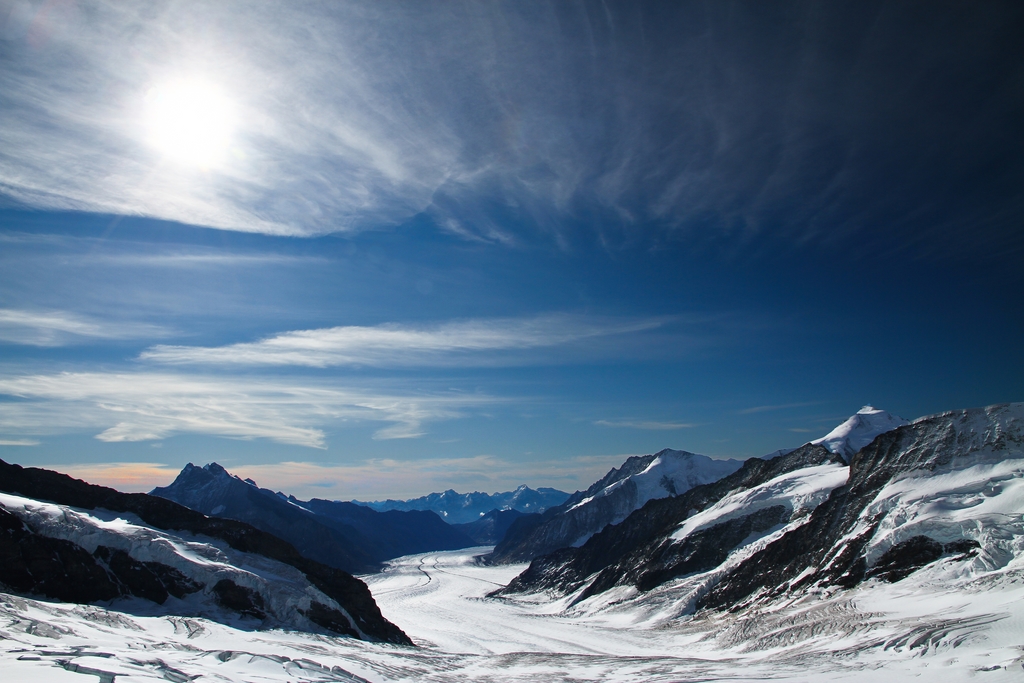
(945, 490)
(911, 630)
(859, 430)
(65, 539)
(609, 501)
(463, 508)
(213, 579)
(943, 494)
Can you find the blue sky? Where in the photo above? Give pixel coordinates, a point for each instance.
(367, 250)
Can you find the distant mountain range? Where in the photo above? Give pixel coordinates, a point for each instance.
(76, 542)
(462, 508)
(350, 537)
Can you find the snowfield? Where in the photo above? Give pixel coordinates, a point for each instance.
(918, 627)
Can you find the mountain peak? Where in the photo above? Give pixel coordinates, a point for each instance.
(859, 430)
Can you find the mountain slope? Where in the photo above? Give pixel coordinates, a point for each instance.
(645, 549)
(343, 535)
(609, 501)
(58, 538)
(463, 508)
(949, 485)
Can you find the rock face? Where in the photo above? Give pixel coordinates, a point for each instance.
(642, 551)
(342, 535)
(464, 508)
(73, 541)
(608, 501)
(943, 485)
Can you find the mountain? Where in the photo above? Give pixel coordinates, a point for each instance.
(859, 430)
(490, 528)
(608, 501)
(462, 508)
(72, 541)
(342, 535)
(940, 496)
(644, 551)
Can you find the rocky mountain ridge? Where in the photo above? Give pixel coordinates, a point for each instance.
(339, 534)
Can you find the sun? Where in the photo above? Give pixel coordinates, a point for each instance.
(190, 122)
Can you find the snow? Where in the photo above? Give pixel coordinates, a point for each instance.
(859, 430)
(285, 590)
(800, 490)
(968, 631)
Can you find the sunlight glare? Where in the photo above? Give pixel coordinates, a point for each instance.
(190, 122)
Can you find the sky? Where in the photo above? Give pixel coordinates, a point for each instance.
(369, 250)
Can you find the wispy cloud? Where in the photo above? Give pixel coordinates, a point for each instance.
(784, 406)
(60, 328)
(148, 406)
(355, 115)
(18, 442)
(645, 424)
(473, 341)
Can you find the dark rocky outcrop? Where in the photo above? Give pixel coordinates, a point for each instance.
(243, 600)
(348, 591)
(639, 550)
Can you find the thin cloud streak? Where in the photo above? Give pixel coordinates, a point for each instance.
(18, 442)
(151, 406)
(784, 406)
(407, 345)
(61, 328)
(645, 424)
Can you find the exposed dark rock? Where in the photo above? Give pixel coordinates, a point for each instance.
(239, 598)
(345, 589)
(150, 580)
(53, 567)
(905, 558)
(330, 619)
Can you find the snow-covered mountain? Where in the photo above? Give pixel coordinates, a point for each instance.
(651, 477)
(609, 501)
(462, 508)
(339, 534)
(859, 430)
(941, 496)
(65, 539)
